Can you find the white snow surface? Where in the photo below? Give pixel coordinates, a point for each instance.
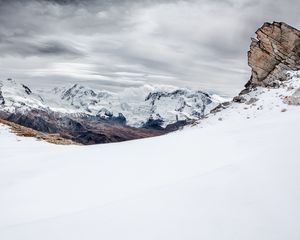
(233, 176)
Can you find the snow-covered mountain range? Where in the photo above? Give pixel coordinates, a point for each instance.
(160, 109)
(167, 104)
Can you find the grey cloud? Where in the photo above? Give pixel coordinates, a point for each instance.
(27, 49)
(198, 43)
(56, 48)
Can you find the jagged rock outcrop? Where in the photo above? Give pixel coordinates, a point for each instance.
(275, 51)
(2, 101)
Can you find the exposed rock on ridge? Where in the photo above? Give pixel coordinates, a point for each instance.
(275, 51)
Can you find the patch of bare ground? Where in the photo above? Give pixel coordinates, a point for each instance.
(28, 132)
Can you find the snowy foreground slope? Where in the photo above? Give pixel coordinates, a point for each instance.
(234, 176)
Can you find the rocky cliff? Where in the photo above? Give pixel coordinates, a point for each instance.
(275, 51)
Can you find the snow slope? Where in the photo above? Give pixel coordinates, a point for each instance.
(234, 176)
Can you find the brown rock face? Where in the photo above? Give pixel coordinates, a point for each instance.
(275, 51)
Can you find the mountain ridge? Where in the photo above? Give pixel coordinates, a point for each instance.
(90, 116)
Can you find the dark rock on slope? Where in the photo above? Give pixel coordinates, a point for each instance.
(84, 129)
(2, 101)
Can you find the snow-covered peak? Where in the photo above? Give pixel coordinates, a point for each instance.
(17, 95)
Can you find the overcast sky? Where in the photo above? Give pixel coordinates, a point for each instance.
(199, 44)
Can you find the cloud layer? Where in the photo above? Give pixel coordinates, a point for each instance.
(193, 43)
